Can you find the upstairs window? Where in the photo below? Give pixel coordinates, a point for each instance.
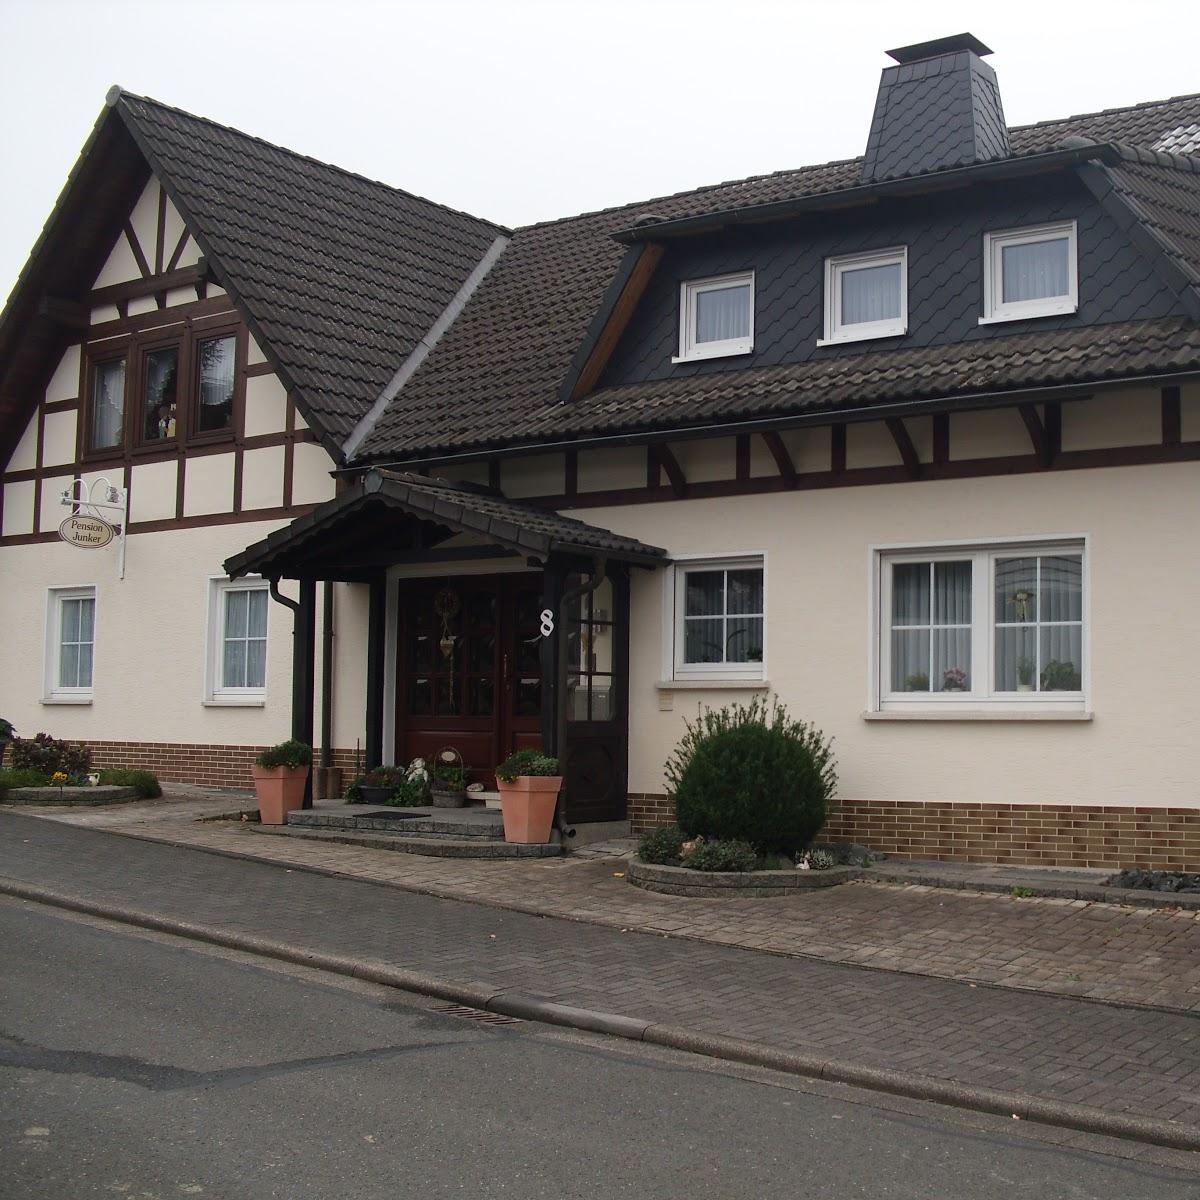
(215, 358)
(866, 296)
(108, 404)
(716, 317)
(1030, 273)
(160, 388)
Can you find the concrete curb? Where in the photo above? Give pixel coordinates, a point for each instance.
(507, 1002)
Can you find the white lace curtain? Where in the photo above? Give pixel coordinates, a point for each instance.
(871, 294)
(723, 314)
(1035, 270)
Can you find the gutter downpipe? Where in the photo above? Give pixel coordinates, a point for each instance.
(598, 574)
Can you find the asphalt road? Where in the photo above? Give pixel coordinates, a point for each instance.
(139, 1066)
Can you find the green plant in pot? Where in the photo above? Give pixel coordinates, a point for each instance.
(1026, 670)
(379, 785)
(529, 784)
(1060, 677)
(448, 783)
(280, 773)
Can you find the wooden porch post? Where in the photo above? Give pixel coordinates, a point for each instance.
(304, 631)
(552, 590)
(376, 638)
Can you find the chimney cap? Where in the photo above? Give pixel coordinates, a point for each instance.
(939, 46)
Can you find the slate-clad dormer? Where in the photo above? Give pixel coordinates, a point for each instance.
(939, 107)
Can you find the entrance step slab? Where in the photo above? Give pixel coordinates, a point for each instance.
(434, 846)
(460, 823)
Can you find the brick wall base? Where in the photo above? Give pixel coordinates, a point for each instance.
(1036, 834)
(200, 765)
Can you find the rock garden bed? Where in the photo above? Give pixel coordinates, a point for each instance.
(70, 797)
(1156, 881)
(685, 881)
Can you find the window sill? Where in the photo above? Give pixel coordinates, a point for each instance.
(1060, 310)
(724, 352)
(234, 702)
(893, 331)
(712, 685)
(980, 714)
(66, 699)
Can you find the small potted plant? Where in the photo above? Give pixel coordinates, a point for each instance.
(1026, 668)
(448, 786)
(379, 784)
(6, 733)
(529, 784)
(1060, 677)
(918, 681)
(280, 774)
(954, 679)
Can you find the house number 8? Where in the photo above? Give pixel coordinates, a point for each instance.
(547, 626)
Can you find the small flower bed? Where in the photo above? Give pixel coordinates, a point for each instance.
(1156, 881)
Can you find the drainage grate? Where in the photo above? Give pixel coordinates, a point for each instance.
(477, 1014)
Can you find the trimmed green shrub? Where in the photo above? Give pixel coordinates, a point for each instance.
(45, 754)
(750, 773)
(722, 856)
(411, 793)
(287, 754)
(20, 779)
(354, 790)
(661, 845)
(146, 782)
(526, 762)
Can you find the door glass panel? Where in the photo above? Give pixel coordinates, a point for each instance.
(602, 698)
(577, 697)
(481, 609)
(443, 698)
(529, 654)
(528, 700)
(482, 696)
(420, 652)
(481, 652)
(421, 697)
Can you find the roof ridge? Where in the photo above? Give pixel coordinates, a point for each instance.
(834, 162)
(117, 93)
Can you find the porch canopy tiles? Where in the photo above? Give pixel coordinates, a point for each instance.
(389, 518)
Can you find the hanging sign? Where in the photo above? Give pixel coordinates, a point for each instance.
(88, 533)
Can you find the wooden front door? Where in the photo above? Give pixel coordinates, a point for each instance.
(468, 669)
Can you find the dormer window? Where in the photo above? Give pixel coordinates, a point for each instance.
(1030, 273)
(716, 317)
(866, 296)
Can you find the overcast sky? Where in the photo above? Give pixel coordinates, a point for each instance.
(521, 110)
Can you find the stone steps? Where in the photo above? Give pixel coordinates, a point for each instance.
(434, 846)
(475, 824)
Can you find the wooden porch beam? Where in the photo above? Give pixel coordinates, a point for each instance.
(904, 443)
(779, 452)
(1037, 433)
(670, 465)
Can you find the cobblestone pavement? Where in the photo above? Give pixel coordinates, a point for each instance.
(1069, 947)
(1122, 1059)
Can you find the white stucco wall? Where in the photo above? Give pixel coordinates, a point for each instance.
(1141, 748)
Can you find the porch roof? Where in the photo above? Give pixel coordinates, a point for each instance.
(392, 516)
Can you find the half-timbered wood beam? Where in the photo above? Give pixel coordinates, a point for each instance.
(1172, 417)
(837, 449)
(904, 443)
(116, 293)
(68, 313)
(671, 468)
(941, 437)
(1037, 433)
(779, 452)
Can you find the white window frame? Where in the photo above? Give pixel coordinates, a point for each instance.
(675, 593)
(995, 310)
(860, 331)
(981, 699)
(52, 692)
(689, 349)
(215, 693)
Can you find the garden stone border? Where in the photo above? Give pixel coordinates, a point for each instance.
(70, 797)
(682, 881)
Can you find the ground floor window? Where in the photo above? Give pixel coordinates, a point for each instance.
(70, 644)
(719, 618)
(237, 641)
(988, 623)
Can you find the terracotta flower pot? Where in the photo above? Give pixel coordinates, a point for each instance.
(527, 805)
(280, 790)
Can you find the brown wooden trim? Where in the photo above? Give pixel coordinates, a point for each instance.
(161, 233)
(180, 481)
(253, 370)
(177, 253)
(653, 470)
(70, 314)
(289, 452)
(941, 437)
(494, 474)
(56, 406)
(238, 466)
(178, 314)
(742, 456)
(779, 452)
(1015, 464)
(837, 448)
(39, 461)
(904, 443)
(1172, 417)
(618, 319)
(207, 520)
(1037, 432)
(135, 246)
(133, 289)
(670, 465)
(571, 473)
